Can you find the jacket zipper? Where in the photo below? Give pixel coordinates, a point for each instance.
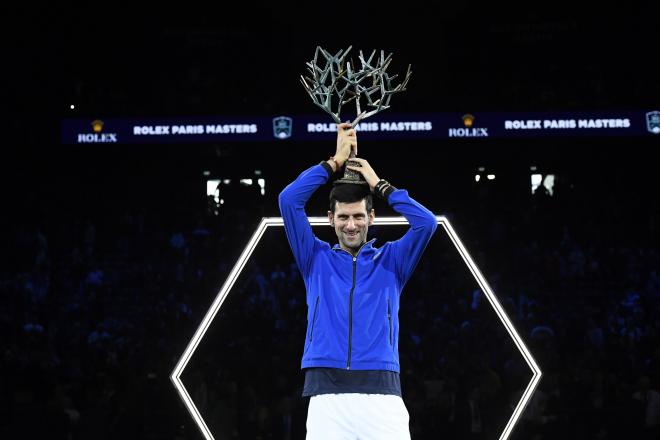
(316, 306)
(350, 316)
(389, 318)
(350, 304)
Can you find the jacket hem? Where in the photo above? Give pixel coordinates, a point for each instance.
(388, 366)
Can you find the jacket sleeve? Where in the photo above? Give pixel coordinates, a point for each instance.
(292, 202)
(409, 248)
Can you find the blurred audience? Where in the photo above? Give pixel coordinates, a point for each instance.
(95, 312)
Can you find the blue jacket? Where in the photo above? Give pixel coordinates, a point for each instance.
(352, 302)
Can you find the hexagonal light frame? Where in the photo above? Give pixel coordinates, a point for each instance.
(316, 221)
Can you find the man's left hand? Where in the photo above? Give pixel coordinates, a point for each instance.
(367, 172)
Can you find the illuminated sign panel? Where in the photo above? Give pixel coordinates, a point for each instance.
(284, 128)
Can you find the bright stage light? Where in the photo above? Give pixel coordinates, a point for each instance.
(316, 221)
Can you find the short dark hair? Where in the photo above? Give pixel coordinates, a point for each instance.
(349, 193)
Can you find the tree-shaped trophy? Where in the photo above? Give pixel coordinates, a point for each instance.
(335, 81)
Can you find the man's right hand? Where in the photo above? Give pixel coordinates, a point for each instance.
(346, 142)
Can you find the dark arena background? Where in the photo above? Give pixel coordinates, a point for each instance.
(115, 244)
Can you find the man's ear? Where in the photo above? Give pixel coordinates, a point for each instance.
(331, 218)
(372, 217)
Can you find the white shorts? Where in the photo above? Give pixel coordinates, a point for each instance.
(357, 417)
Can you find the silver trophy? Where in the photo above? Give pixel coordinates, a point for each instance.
(335, 81)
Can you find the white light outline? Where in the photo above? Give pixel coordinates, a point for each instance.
(316, 221)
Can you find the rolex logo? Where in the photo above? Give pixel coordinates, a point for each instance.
(468, 129)
(97, 136)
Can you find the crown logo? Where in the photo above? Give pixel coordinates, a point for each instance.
(97, 125)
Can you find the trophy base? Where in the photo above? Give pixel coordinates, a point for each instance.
(352, 176)
(352, 181)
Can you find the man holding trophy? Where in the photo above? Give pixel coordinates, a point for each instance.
(350, 357)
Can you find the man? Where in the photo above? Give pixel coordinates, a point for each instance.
(351, 358)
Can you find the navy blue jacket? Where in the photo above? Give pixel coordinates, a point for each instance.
(353, 302)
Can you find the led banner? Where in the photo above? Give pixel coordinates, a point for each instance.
(383, 127)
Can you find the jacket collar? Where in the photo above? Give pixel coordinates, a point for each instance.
(365, 248)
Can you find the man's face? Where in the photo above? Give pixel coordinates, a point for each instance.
(351, 222)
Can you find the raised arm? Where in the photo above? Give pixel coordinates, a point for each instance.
(293, 198)
(409, 248)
